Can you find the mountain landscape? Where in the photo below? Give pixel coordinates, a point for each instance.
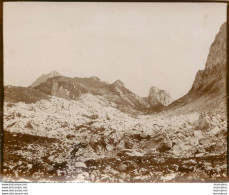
(88, 130)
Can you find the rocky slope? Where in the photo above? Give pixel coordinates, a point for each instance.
(90, 140)
(208, 92)
(27, 95)
(43, 78)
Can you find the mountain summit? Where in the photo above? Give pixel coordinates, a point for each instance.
(119, 83)
(43, 78)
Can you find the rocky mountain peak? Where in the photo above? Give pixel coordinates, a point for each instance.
(43, 78)
(158, 97)
(95, 78)
(54, 74)
(119, 83)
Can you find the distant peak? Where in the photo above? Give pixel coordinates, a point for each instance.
(54, 73)
(154, 89)
(43, 78)
(95, 78)
(119, 83)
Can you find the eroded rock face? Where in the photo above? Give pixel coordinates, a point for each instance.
(158, 97)
(215, 68)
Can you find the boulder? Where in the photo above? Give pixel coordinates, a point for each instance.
(80, 165)
(203, 123)
(127, 165)
(130, 152)
(160, 142)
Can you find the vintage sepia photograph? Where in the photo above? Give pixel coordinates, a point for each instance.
(104, 92)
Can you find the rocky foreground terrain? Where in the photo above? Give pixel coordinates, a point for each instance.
(60, 129)
(90, 140)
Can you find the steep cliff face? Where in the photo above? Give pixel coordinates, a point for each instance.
(215, 68)
(208, 92)
(158, 97)
(43, 78)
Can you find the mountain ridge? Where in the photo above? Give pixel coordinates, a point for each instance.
(71, 88)
(55, 84)
(208, 91)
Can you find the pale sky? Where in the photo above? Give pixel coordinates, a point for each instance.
(142, 44)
